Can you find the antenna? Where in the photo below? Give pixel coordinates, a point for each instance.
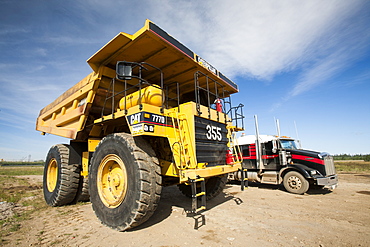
(296, 132)
(277, 122)
(259, 160)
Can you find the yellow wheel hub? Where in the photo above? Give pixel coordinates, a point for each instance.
(112, 181)
(52, 175)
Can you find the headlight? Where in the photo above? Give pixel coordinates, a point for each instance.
(313, 172)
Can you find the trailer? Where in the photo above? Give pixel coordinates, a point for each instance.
(152, 113)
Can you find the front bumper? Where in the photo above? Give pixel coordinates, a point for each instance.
(331, 181)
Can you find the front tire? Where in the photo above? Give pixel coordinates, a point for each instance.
(295, 183)
(124, 181)
(61, 179)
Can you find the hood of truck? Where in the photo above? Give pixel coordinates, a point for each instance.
(153, 45)
(309, 158)
(319, 161)
(305, 152)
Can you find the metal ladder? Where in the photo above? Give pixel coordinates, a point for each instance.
(195, 208)
(181, 132)
(236, 157)
(185, 161)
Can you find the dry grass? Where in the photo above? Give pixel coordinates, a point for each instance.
(352, 166)
(21, 170)
(19, 198)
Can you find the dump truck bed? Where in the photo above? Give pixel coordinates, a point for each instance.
(73, 113)
(153, 45)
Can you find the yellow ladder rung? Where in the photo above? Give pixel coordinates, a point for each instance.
(200, 194)
(198, 179)
(200, 209)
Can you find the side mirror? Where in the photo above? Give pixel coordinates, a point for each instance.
(274, 146)
(124, 70)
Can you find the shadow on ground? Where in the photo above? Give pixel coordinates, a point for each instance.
(172, 197)
(312, 191)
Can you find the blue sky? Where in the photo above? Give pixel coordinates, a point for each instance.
(306, 62)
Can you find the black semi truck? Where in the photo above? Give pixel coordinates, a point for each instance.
(277, 159)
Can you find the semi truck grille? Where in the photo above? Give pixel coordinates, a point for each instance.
(329, 165)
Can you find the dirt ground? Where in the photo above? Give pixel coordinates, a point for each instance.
(262, 215)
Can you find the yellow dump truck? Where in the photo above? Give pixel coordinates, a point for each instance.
(151, 113)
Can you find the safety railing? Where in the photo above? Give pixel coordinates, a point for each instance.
(134, 71)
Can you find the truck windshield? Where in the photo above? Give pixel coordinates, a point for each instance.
(288, 144)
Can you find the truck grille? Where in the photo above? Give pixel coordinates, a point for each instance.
(329, 165)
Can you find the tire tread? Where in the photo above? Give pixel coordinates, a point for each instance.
(150, 179)
(68, 184)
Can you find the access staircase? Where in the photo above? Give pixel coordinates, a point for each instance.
(237, 156)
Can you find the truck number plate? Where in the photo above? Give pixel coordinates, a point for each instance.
(213, 133)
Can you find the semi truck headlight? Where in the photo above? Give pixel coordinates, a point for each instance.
(313, 172)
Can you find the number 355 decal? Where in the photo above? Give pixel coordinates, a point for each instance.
(213, 133)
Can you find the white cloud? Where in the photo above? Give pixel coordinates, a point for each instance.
(343, 46)
(6, 30)
(22, 98)
(256, 38)
(318, 73)
(68, 40)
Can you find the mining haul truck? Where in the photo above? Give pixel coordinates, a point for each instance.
(277, 159)
(151, 113)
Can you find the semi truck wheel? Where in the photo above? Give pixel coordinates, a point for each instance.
(294, 182)
(60, 182)
(214, 186)
(124, 181)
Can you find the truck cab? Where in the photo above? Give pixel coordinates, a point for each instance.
(278, 159)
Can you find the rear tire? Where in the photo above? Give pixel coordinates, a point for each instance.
(124, 181)
(214, 186)
(61, 179)
(295, 183)
(83, 190)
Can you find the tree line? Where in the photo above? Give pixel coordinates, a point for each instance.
(365, 157)
(21, 163)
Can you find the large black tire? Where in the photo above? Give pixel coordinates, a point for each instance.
(296, 183)
(61, 179)
(124, 181)
(214, 186)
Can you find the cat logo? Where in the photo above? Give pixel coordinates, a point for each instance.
(135, 118)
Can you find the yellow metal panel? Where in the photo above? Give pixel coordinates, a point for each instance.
(92, 143)
(169, 169)
(208, 172)
(182, 138)
(85, 164)
(67, 114)
(108, 50)
(72, 94)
